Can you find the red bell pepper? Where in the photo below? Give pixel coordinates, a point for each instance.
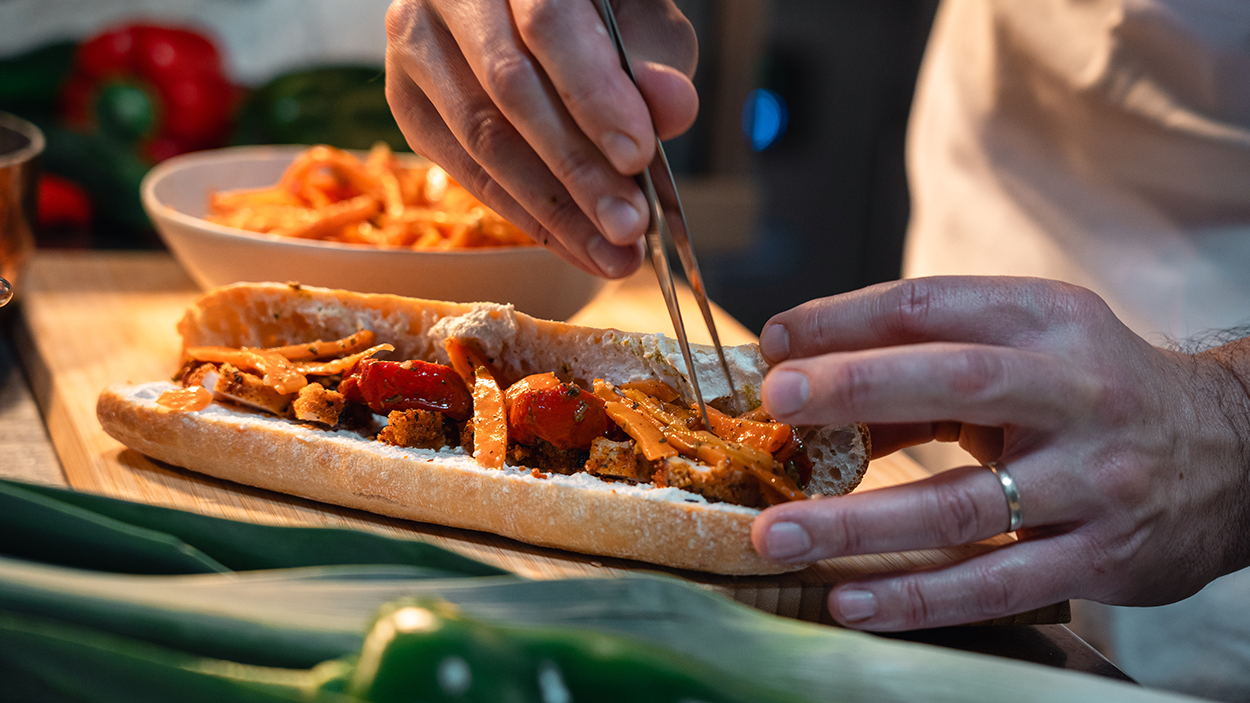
(163, 88)
(410, 385)
(62, 203)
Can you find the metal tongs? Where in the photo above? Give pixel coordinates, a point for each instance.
(661, 193)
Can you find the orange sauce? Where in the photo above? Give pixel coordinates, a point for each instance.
(186, 399)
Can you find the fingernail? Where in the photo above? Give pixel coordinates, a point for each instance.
(618, 218)
(620, 150)
(775, 343)
(856, 606)
(786, 540)
(786, 392)
(611, 258)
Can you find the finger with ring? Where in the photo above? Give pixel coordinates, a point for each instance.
(1011, 492)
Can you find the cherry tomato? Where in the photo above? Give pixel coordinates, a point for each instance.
(409, 385)
(540, 406)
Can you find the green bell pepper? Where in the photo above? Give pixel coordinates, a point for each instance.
(426, 650)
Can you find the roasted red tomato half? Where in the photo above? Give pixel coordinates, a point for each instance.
(408, 385)
(540, 406)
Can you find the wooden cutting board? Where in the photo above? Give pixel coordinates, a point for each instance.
(90, 319)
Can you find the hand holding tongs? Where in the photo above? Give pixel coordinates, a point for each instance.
(661, 193)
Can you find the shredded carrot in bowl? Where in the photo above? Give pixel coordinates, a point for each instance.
(331, 195)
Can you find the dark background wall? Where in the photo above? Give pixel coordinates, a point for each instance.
(834, 191)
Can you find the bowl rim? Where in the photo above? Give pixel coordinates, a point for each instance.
(158, 209)
(34, 136)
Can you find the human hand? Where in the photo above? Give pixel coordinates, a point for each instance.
(1130, 460)
(525, 103)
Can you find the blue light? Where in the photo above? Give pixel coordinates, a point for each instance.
(764, 118)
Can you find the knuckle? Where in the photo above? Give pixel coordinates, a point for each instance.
(562, 214)
(852, 386)
(1116, 562)
(1119, 479)
(585, 98)
(400, 17)
(820, 326)
(486, 132)
(988, 592)
(412, 38)
(957, 518)
(978, 373)
(554, 212)
(539, 22)
(915, 611)
(994, 592)
(1115, 397)
(812, 325)
(686, 44)
(576, 166)
(905, 308)
(1098, 555)
(508, 77)
(1078, 302)
(842, 535)
(1063, 303)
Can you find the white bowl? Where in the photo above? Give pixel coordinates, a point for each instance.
(175, 196)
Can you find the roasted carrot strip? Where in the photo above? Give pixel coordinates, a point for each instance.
(650, 439)
(379, 164)
(318, 349)
(710, 454)
(759, 415)
(333, 217)
(490, 421)
(766, 436)
(330, 194)
(277, 371)
(779, 483)
(641, 416)
(629, 415)
(490, 424)
(653, 387)
(711, 449)
(344, 166)
(458, 352)
(465, 357)
(702, 442)
(329, 368)
(653, 407)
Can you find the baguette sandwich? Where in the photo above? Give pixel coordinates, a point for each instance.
(477, 416)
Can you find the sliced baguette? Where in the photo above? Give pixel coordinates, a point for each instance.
(580, 513)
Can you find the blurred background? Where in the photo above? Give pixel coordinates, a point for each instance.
(792, 176)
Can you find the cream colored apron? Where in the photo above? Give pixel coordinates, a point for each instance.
(1101, 142)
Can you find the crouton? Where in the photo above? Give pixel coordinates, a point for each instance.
(314, 403)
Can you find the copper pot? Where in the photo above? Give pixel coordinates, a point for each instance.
(21, 144)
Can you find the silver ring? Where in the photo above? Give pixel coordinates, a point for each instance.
(1011, 492)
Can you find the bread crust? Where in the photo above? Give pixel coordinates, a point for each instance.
(581, 513)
